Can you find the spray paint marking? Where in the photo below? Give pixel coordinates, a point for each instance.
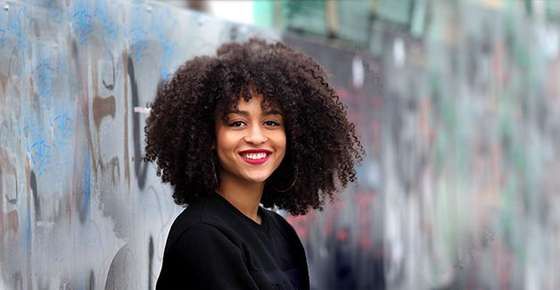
(86, 189)
(102, 15)
(16, 28)
(45, 73)
(39, 155)
(82, 20)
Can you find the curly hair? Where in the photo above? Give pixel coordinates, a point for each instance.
(322, 147)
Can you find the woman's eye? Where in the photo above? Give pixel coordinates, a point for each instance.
(272, 123)
(236, 124)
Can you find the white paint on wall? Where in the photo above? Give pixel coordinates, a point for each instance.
(240, 11)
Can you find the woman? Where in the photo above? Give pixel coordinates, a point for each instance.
(258, 123)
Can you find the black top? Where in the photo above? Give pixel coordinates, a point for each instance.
(212, 245)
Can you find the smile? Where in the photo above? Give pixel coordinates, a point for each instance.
(255, 157)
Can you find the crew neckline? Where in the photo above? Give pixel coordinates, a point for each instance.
(261, 211)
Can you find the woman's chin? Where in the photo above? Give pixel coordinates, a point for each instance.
(257, 178)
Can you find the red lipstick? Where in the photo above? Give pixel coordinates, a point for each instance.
(255, 156)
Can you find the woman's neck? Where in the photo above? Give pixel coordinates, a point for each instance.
(245, 196)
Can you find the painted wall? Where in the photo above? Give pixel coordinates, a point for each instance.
(461, 120)
(78, 209)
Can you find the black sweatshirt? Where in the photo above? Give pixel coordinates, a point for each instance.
(214, 246)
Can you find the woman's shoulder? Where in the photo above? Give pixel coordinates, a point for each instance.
(292, 238)
(280, 221)
(273, 214)
(204, 234)
(197, 219)
(277, 216)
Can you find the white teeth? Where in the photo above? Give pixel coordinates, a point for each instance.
(255, 155)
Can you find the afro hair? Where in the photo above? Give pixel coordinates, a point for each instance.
(322, 147)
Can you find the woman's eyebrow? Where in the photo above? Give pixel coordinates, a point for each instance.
(245, 113)
(272, 112)
(237, 112)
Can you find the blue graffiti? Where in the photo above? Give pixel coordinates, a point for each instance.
(137, 31)
(62, 127)
(168, 49)
(2, 37)
(39, 153)
(82, 20)
(106, 20)
(141, 28)
(86, 188)
(162, 32)
(17, 29)
(55, 10)
(45, 73)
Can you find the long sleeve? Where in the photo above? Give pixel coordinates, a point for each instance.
(207, 259)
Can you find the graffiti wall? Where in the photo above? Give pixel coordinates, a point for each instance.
(461, 123)
(78, 207)
(345, 242)
(459, 120)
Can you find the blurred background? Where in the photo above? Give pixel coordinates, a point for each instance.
(457, 103)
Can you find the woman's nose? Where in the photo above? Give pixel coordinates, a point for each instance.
(255, 135)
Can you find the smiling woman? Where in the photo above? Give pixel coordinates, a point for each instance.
(251, 144)
(256, 124)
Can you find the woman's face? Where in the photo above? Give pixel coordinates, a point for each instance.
(251, 143)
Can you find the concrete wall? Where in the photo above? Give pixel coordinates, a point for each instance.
(460, 120)
(78, 209)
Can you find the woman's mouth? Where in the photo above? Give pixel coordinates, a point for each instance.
(255, 158)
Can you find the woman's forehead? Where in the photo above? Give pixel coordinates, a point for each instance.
(266, 104)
